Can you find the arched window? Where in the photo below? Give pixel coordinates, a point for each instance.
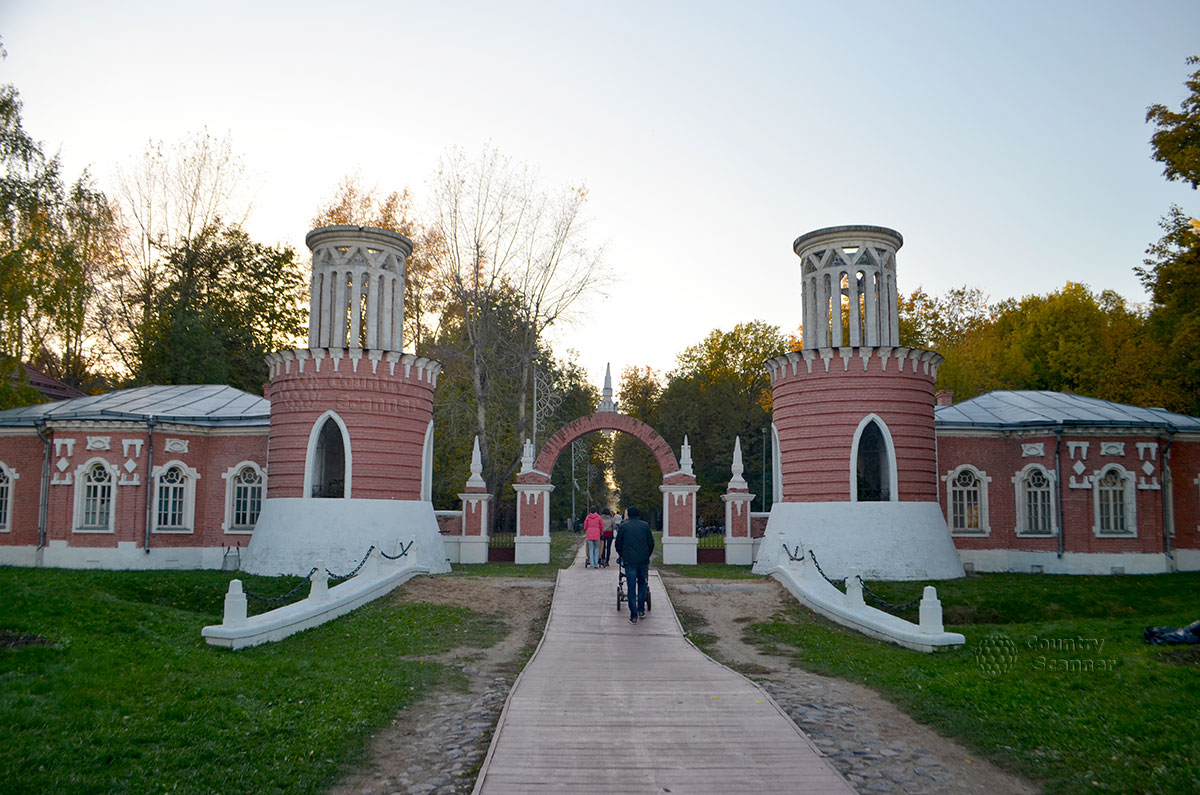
(1114, 502)
(873, 465)
(7, 476)
(245, 488)
(966, 501)
(94, 497)
(328, 473)
(1036, 515)
(174, 497)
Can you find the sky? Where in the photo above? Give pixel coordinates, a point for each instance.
(1006, 141)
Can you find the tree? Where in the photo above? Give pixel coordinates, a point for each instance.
(52, 240)
(353, 204)
(169, 196)
(227, 302)
(720, 391)
(514, 259)
(1176, 141)
(1172, 277)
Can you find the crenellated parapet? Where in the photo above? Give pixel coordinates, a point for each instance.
(393, 364)
(882, 359)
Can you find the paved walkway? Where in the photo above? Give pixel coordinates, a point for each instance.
(607, 706)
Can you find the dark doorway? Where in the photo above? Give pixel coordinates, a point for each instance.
(329, 464)
(872, 465)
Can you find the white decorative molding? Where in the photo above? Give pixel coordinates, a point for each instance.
(99, 443)
(130, 479)
(984, 528)
(1147, 449)
(1022, 499)
(1112, 448)
(136, 444)
(1130, 499)
(230, 476)
(190, 476)
(1035, 449)
(62, 477)
(80, 503)
(1079, 449)
(175, 445)
(60, 444)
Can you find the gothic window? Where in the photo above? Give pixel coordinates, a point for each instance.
(1036, 514)
(872, 468)
(245, 488)
(174, 497)
(1113, 502)
(967, 512)
(94, 497)
(6, 489)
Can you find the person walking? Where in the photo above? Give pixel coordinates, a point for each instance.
(593, 526)
(635, 544)
(606, 535)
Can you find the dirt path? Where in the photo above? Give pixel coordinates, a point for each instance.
(875, 745)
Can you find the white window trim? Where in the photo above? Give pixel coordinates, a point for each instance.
(189, 498)
(1022, 513)
(313, 435)
(427, 465)
(81, 496)
(1129, 480)
(985, 528)
(6, 519)
(893, 478)
(231, 492)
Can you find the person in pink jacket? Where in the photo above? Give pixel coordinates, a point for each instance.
(593, 525)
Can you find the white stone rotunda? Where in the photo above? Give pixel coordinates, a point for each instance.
(350, 455)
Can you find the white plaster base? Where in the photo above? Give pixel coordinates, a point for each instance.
(804, 582)
(739, 551)
(1187, 559)
(125, 555)
(474, 549)
(308, 613)
(679, 551)
(1018, 561)
(452, 550)
(882, 540)
(531, 549)
(294, 534)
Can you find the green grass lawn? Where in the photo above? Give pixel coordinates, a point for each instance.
(1054, 682)
(107, 686)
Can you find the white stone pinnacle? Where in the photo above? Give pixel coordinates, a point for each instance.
(685, 457)
(527, 457)
(606, 401)
(476, 479)
(737, 482)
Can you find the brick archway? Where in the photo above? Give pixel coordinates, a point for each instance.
(607, 421)
(533, 489)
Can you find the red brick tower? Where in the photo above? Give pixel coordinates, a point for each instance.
(856, 455)
(350, 451)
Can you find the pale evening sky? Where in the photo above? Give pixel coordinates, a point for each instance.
(1005, 141)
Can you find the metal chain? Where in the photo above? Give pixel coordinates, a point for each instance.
(333, 576)
(821, 571)
(799, 554)
(286, 596)
(886, 604)
(403, 551)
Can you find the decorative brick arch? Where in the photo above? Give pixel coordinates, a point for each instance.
(533, 489)
(607, 421)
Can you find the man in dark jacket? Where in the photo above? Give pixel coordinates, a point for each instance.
(634, 547)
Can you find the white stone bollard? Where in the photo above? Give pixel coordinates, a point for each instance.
(370, 569)
(931, 612)
(235, 605)
(320, 584)
(854, 592)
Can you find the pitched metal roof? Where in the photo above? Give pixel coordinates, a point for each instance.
(191, 404)
(1010, 410)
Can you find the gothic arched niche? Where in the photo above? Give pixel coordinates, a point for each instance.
(329, 462)
(874, 478)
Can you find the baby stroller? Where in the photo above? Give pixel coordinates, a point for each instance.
(622, 596)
